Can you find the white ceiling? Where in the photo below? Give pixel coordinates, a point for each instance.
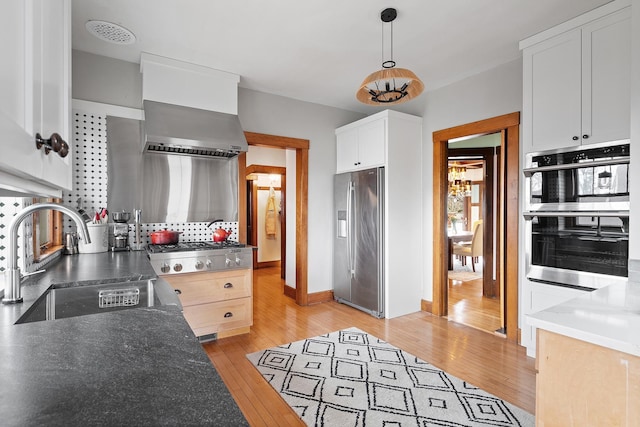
(320, 50)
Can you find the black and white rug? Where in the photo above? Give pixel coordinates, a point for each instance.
(351, 378)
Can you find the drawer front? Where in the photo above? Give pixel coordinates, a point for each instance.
(201, 288)
(214, 317)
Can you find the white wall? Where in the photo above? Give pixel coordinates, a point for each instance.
(488, 94)
(100, 79)
(266, 156)
(276, 115)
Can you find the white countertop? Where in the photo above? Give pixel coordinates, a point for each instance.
(608, 317)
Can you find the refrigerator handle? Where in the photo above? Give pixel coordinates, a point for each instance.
(350, 191)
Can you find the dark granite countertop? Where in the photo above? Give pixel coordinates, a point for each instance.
(142, 366)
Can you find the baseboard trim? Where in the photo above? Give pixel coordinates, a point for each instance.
(289, 292)
(426, 306)
(318, 297)
(268, 264)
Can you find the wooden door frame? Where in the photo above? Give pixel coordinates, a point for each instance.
(302, 200)
(509, 126)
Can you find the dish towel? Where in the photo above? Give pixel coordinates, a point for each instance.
(270, 217)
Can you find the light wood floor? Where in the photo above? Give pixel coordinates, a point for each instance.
(467, 306)
(485, 360)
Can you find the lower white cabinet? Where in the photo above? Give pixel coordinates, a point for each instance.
(536, 297)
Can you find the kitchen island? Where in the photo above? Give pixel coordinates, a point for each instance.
(588, 359)
(140, 366)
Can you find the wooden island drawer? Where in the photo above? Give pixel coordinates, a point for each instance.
(200, 288)
(217, 317)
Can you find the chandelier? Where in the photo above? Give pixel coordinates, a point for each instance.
(458, 184)
(389, 85)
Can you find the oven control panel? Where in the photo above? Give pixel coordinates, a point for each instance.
(191, 262)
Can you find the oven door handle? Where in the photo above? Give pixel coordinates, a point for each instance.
(566, 166)
(528, 215)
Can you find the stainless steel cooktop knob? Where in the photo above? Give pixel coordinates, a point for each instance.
(227, 262)
(199, 265)
(177, 267)
(165, 268)
(238, 260)
(209, 264)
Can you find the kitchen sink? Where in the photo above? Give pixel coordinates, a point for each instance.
(82, 298)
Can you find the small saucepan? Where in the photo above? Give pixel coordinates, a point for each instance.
(165, 237)
(121, 217)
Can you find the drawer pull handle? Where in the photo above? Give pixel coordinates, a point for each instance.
(228, 314)
(228, 285)
(177, 291)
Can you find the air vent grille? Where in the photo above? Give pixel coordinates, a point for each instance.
(110, 32)
(188, 151)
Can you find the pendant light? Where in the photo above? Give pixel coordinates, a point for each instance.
(389, 85)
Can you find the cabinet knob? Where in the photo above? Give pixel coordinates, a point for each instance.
(575, 138)
(585, 136)
(55, 143)
(228, 285)
(228, 314)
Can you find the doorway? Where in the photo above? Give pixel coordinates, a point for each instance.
(472, 199)
(301, 147)
(263, 182)
(507, 230)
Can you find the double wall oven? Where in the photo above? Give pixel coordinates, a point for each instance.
(577, 215)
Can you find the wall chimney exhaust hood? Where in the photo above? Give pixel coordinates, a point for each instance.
(176, 129)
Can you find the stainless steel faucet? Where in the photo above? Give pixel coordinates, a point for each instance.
(12, 291)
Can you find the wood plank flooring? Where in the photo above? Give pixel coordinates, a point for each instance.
(485, 360)
(469, 307)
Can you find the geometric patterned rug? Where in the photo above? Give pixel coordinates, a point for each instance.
(351, 378)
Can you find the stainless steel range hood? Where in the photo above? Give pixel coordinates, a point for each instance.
(175, 129)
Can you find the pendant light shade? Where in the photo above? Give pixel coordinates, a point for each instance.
(389, 85)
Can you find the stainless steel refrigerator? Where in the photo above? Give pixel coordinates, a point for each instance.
(358, 275)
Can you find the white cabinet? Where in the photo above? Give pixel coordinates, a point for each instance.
(36, 76)
(393, 140)
(361, 147)
(577, 83)
(536, 297)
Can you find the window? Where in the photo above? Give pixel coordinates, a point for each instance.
(47, 231)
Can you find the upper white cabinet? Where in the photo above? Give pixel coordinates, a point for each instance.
(36, 78)
(362, 146)
(577, 81)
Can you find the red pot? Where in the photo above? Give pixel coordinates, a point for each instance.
(165, 237)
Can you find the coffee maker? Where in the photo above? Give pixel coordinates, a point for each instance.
(119, 233)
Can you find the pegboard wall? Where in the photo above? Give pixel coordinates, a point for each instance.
(89, 165)
(90, 182)
(191, 231)
(9, 206)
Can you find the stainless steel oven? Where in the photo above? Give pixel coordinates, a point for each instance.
(577, 215)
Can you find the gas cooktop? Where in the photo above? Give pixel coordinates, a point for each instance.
(193, 246)
(190, 257)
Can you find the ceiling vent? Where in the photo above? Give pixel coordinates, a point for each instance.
(110, 32)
